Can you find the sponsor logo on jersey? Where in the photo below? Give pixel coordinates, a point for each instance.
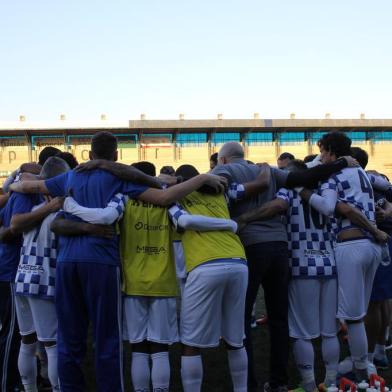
(145, 226)
(150, 250)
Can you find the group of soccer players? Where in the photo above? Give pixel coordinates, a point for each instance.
(116, 246)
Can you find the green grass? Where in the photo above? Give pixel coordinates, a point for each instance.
(216, 370)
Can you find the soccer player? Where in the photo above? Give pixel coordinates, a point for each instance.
(378, 314)
(35, 283)
(265, 245)
(150, 317)
(88, 276)
(313, 287)
(357, 256)
(284, 159)
(10, 246)
(213, 300)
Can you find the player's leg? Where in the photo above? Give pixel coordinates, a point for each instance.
(200, 321)
(27, 360)
(102, 288)
(160, 369)
(356, 263)
(72, 316)
(275, 284)
(304, 325)
(255, 257)
(329, 327)
(140, 366)
(135, 311)
(379, 352)
(162, 332)
(373, 324)
(45, 322)
(191, 369)
(9, 338)
(233, 311)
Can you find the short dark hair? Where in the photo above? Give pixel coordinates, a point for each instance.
(337, 143)
(46, 153)
(146, 167)
(296, 165)
(53, 167)
(167, 170)
(186, 172)
(69, 158)
(360, 155)
(310, 158)
(214, 158)
(286, 155)
(104, 145)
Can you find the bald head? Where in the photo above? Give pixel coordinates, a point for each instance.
(230, 152)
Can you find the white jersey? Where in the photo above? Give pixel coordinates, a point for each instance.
(37, 266)
(352, 186)
(309, 239)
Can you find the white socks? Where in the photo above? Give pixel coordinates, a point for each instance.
(53, 376)
(27, 364)
(238, 363)
(379, 351)
(358, 344)
(331, 350)
(160, 372)
(304, 359)
(140, 372)
(191, 373)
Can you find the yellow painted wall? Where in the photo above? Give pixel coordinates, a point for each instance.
(380, 155)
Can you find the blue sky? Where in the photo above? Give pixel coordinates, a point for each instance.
(197, 57)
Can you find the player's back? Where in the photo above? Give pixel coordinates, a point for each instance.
(201, 247)
(310, 240)
(353, 187)
(93, 189)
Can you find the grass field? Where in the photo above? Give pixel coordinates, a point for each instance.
(216, 370)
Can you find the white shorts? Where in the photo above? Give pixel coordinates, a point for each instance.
(312, 308)
(213, 305)
(36, 315)
(150, 318)
(356, 263)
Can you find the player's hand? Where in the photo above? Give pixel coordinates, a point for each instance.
(33, 168)
(351, 162)
(375, 172)
(381, 214)
(55, 204)
(381, 236)
(240, 225)
(265, 173)
(167, 179)
(90, 165)
(26, 176)
(104, 231)
(218, 183)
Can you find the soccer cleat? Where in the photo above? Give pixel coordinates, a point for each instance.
(382, 363)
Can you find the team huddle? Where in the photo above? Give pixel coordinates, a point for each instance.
(116, 246)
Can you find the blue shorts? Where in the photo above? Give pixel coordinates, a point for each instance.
(382, 284)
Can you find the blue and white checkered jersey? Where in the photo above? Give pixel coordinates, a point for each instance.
(310, 244)
(352, 186)
(36, 272)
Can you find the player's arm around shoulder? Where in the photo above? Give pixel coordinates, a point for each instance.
(21, 223)
(278, 206)
(70, 228)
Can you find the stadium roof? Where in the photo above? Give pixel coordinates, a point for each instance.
(182, 125)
